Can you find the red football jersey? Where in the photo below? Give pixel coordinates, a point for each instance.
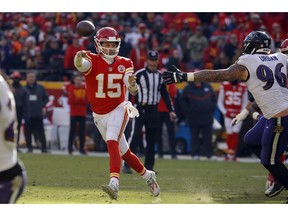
(104, 83)
(77, 100)
(233, 98)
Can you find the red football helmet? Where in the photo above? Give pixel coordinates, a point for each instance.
(284, 46)
(107, 34)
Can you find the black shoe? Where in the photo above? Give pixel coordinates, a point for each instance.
(70, 152)
(29, 150)
(83, 152)
(174, 157)
(19, 151)
(140, 155)
(126, 170)
(274, 189)
(160, 156)
(45, 151)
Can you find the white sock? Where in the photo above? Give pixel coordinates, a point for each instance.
(114, 181)
(147, 174)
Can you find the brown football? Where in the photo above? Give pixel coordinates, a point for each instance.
(85, 28)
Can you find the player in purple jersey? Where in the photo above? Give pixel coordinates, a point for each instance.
(12, 171)
(273, 187)
(265, 75)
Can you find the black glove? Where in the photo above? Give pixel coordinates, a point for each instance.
(174, 76)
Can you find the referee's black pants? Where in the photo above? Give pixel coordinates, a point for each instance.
(165, 119)
(149, 117)
(35, 126)
(20, 116)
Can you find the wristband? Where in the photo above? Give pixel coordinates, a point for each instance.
(190, 77)
(255, 115)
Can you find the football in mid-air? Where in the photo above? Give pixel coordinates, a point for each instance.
(85, 28)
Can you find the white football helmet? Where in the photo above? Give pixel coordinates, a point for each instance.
(107, 34)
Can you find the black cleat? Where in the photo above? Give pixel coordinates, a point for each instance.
(274, 189)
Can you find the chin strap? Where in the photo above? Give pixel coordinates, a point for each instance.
(107, 59)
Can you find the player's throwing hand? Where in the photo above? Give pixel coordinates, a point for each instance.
(83, 53)
(79, 55)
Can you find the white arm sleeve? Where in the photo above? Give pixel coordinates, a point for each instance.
(220, 101)
(125, 79)
(82, 64)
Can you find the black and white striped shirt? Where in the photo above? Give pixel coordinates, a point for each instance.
(151, 88)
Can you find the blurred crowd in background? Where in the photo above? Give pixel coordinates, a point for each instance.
(47, 42)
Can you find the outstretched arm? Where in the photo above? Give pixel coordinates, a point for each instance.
(234, 72)
(81, 62)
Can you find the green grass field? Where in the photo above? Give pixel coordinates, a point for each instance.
(63, 179)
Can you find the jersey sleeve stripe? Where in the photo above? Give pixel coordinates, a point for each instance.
(131, 69)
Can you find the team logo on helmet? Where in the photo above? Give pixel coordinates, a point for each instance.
(121, 68)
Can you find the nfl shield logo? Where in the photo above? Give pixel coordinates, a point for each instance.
(121, 68)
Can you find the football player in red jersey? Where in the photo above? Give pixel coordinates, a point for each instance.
(107, 76)
(232, 99)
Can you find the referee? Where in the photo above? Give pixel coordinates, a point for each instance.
(151, 88)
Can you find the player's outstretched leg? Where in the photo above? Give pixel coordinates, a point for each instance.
(133, 161)
(112, 188)
(152, 183)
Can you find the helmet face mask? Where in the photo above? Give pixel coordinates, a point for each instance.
(256, 42)
(109, 49)
(109, 35)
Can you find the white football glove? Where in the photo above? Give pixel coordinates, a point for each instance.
(240, 117)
